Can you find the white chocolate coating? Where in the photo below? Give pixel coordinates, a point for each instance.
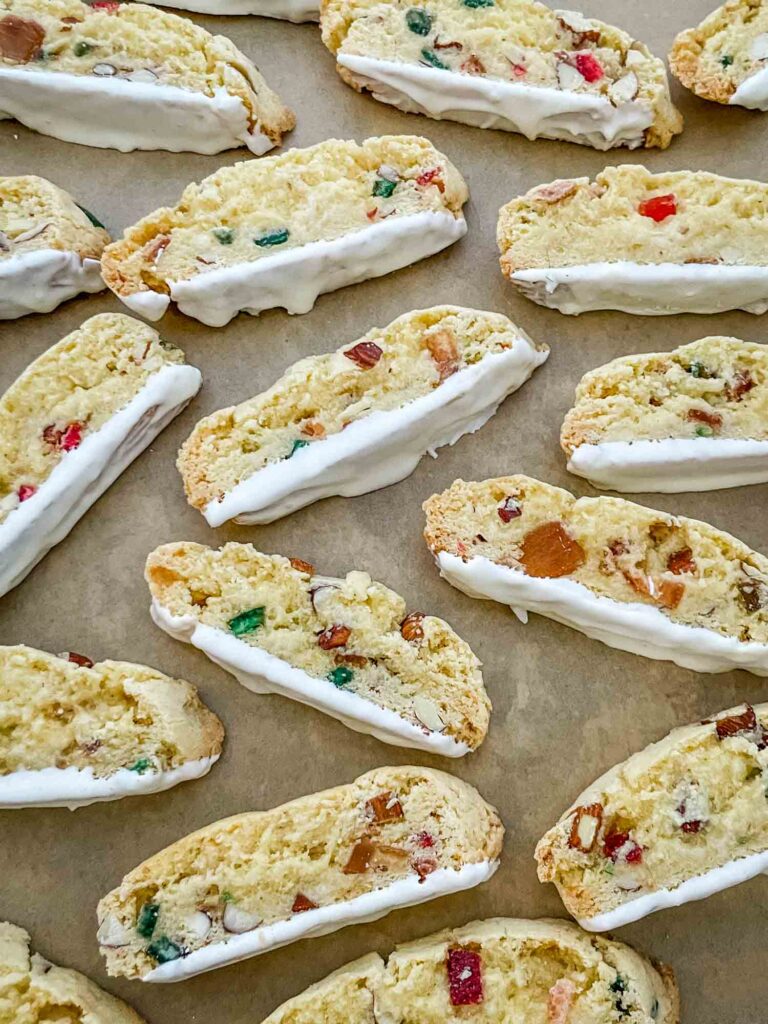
(534, 111)
(82, 475)
(370, 906)
(38, 281)
(383, 447)
(696, 888)
(635, 627)
(753, 92)
(287, 10)
(672, 465)
(295, 278)
(79, 787)
(112, 113)
(656, 289)
(262, 672)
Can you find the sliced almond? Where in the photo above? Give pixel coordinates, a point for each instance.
(625, 89)
(585, 826)
(428, 713)
(198, 924)
(568, 77)
(113, 934)
(759, 48)
(32, 232)
(142, 75)
(554, 192)
(104, 70)
(237, 920)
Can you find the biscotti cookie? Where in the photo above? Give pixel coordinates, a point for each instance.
(652, 244)
(510, 64)
(281, 231)
(392, 838)
(128, 76)
(75, 732)
(287, 10)
(662, 586)
(35, 991)
(694, 419)
(357, 419)
(724, 58)
(343, 646)
(72, 422)
(49, 247)
(681, 820)
(504, 969)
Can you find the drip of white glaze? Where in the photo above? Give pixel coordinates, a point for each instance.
(753, 92)
(287, 10)
(38, 281)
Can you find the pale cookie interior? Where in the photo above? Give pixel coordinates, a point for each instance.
(690, 572)
(351, 633)
(253, 210)
(35, 214)
(264, 867)
(58, 713)
(321, 396)
(703, 218)
(690, 803)
(716, 387)
(68, 393)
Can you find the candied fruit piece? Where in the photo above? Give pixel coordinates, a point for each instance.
(269, 238)
(432, 177)
(681, 562)
(465, 980)
(549, 551)
(424, 866)
(509, 509)
(301, 566)
(619, 845)
(360, 857)
(710, 419)
(302, 903)
(384, 808)
(418, 21)
(444, 351)
(585, 826)
(365, 354)
(163, 950)
(431, 58)
(658, 208)
(26, 491)
(79, 659)
(589, 67)
(20, 38)
(247, 622)
(741, 383)
(340, 676)
(145, 925)
(560, 1000)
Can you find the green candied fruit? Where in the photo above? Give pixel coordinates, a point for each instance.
(163, 950)
(94, 220)
(726, 60)
(474, 4)
(227, 897)
(224, 235)
(698, 369)
(270, 238)
(81, 48)
(297, 444)
(145, 925)
(383, 188)
(619, 988)
(704, 431)
(141, 766)
(340, 676)
(431, 58)
(418, 21)
(247, 622)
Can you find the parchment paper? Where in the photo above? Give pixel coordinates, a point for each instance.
(565, 708)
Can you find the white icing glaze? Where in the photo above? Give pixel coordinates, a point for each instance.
(638, 628)
(673, 464)
(79, 787)
(383, 447)
(262, 672)
(534, 111)
(82, 475)
(647, 289)
(753, 92)
(38, 281)
(287, 10)
(370, 906)
(113, 113)
(293, 279)
(697, 888)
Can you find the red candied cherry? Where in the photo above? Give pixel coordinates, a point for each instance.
(509, 509)
(365, 354)
(110, 6)
(618, 844)
(431, 177)
(425, 840)
(589, 67)
(465, 979)
(658, 208)
(26, 491)
(71, 437)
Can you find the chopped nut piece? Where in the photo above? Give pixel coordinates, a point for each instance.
(712, 419)
(303, 903)
(745, 725)
(740, 385)
(104, 70)
(79, 659)
(428, 713)
(509, 509)
(585, 827)
(20, 38)
(237, 920)
(384, 808)
(568, 77)
(411, 627)
(465, 981)
(355, 660)
(334, 636)
(554, 192)
(313, 429)
(625, 89)
(681, 561)
(155, 247)
(198, 923)
(445, 352)
(473, 65)
(580, 28)
(365, 354)
(549, 551)
(302, 566)
(113, 934)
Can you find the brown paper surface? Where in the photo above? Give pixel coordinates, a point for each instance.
(565, 707)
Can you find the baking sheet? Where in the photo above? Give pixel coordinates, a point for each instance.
(565, 707)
